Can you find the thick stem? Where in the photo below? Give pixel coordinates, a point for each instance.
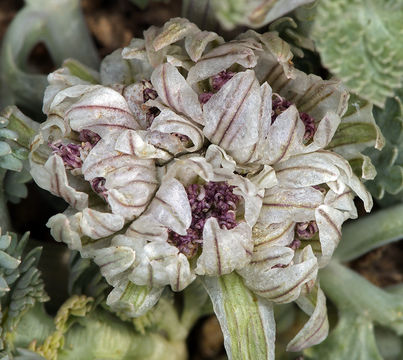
(370, 232)
(349, 290)
(57, 23)
(246, 320)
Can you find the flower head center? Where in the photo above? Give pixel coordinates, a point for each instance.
(213, 199)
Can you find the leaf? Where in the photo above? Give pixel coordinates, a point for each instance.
(357, 132)
(360, 42)
(389, 162)
(353, 338)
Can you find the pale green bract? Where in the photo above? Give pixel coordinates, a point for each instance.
(361, 43)
(129, 144)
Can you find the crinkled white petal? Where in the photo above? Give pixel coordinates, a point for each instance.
(113, 261)
(96, 224)
(324, 133)
(162, 264)
(188, 170)
(276, 234)
(264, 179)
(196, 43)
(169, 122)
(103, 111)
(171, 207)
(282, 285)
(133, 300)
(65, 229)
(134, 142)
(224, 250)
(329, 221)
(219, 159)
(222, 57)
(316, 328)
(265, 258)
(251, 195)
(175, 92)
(306, 170)
(147, 228)
(174, 30)
(285, 137)
(52, 177)
(255, 152)
(117, 70)
(343, 201)
(231, 115)
(296, 204)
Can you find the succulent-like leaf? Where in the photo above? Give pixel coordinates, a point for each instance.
(352, 338)
(357, 132)
(20, 280)
(388, 185)
(360, 42)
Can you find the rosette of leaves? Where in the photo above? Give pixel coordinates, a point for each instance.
(21, 285)
(16, 131)
(166, 185)
(360, 42)
(388, 185)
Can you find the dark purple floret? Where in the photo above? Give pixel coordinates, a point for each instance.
(306, 230)
(70, 154)
(213, 199)
(98, 185)
(88, 136)
(148, 93)
(204, 97)
(310, 126)
(218, 81)
(295, 244)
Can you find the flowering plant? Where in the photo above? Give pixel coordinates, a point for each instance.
(187, 156)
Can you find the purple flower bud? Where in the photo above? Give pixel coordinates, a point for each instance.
(98, 185)
(69, 153)
(310, 126)
(204, 97)
(148, 93)
(280, 104)
(218, 81)
(306, 230)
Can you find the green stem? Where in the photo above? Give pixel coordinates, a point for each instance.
(370, 232)
(57, 23)
(349, 290)
(246, 320)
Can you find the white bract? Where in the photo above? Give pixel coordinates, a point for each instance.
(193, 157)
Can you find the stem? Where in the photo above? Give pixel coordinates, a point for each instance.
(370, 232)
(61, 26)
(246, 320)
(349, 290)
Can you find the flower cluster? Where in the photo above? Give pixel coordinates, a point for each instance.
(187, 155)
